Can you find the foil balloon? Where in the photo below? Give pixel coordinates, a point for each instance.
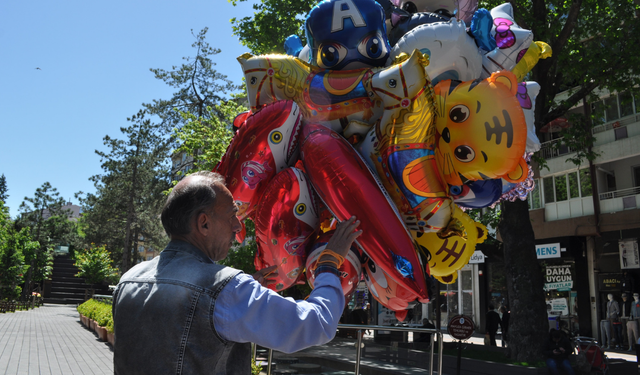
(452, 52)
(350, 270)
(403, 154)
(477, 194)
(386, 290)
(286, 222)
(265, 144)
(480, 28)
(527, 94)
(293, 45)
(410, 22)
(348, 188)
(481, 130)
(530, 57)
(339, 100)
(512, 41)
(449, 252)
(445, 7)
(347, 34)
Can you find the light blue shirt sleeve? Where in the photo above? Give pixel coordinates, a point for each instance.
(245, 311)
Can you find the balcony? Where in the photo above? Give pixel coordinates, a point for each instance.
(620, 200)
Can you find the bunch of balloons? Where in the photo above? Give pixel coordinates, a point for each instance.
(401, 113)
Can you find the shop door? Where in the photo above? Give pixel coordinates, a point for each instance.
(458, 297)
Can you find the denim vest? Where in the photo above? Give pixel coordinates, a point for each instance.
(163, 317)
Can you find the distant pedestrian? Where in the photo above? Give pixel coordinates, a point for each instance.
(557, 350)
(492, 324)
(505, 325)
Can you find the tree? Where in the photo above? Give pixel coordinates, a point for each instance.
(128, 196)
(47, 222)
(272, 22)
(13, 245)
(593, 44)
(3, 188)
(95, 264)
(198, 86)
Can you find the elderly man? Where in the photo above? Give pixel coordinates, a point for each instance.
(182, 313)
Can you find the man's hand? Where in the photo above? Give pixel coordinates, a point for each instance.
(343, 237)
(262, 275)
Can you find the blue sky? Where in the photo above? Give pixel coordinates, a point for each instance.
(94, 59)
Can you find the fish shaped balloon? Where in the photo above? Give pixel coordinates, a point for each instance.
(348, 188)
(265, 144)
(286, 222)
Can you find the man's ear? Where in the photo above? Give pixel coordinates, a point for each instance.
(202, 223)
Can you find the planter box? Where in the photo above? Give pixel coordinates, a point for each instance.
(92, 324)
(102, 333)
(111, 338)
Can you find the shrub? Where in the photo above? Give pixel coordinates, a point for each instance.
(98, 311)
(95, 264)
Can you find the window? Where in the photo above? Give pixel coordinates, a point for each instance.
(636, 176)
(611, 182)
(572, 185)
(621, 133)
(561, 188)
(611, 108)
(626, 103)
(534, 198)
(140, 249)
(548, 190)
(574, 189)
(585, 183)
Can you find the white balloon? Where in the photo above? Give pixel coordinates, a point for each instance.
(453, 53)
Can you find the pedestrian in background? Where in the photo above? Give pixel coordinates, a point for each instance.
(492, 324)
(505, 325)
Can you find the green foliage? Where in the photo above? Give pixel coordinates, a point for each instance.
(205, 139)
(128, 197)
(3, 188)
(272, 22)
(98, 311)
(47, 223)
(241, 257)
(198, 86)
(95, 265)
(13, 245)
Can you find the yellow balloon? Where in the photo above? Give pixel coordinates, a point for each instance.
(536, 51)
(451, 248)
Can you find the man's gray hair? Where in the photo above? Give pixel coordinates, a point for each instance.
(186, 202)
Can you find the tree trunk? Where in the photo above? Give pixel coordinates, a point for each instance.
(528, 326)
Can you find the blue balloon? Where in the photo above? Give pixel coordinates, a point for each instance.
(477, 194)
(403, 265)
(293, 45)
(480, 29)
(347, 34)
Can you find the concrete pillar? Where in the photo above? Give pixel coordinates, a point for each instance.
(591, 253)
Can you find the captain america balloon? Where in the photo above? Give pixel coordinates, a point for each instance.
(347, 34)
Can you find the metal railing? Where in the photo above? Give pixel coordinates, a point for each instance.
(553, 149)
(360, 328)
(620, 193)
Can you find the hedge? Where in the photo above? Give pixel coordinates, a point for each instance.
(98, 311)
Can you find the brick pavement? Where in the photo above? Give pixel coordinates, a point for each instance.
(51, 340)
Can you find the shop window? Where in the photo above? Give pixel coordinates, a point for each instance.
(548, 190)
(626, 103)
(534, 197)
(585, 183)
(611, 108)
(561, 188)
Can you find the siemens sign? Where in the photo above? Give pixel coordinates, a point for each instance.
(550, 250)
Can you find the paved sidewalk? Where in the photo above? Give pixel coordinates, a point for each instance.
(50, 340)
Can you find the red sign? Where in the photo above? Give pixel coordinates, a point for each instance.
(461, 327)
